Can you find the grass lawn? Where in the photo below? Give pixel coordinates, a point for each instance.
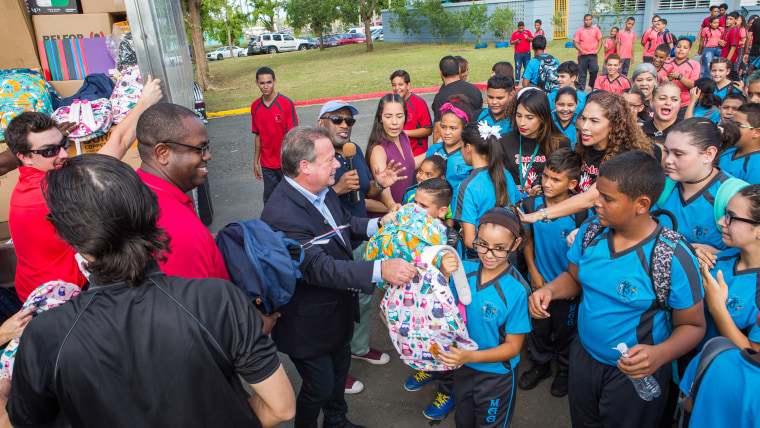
(348, 70)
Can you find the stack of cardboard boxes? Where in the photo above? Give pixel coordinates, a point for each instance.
(41, 33)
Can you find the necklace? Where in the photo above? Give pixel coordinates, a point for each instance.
(702, 179)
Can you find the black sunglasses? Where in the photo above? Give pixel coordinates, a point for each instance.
(338, 120)
(54, 150)
(730, 217)
(203, 149)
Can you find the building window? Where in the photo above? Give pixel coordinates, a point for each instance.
(633, 5)
(684, 4)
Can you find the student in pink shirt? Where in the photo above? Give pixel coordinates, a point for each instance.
(626, 38)
(611, 46)
(539, 31)
(709, 37)
(613, 81)
(649, 40)
(588, 42)
(681, 69)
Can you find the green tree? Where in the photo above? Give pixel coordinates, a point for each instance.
(264, 11)
(352, 11)
(478, 19)
(620, 9)
(407, 21)
(460, 22)
(192, 11)
(440, 22)
(223, 20)
(318, 14)
(502, 23)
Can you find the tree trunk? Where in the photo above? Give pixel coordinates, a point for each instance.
(199, 53)
(367, 32)
(229, 39)
(321, 40)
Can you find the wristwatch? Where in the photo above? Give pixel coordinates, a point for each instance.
(680, 76)
(545, 215)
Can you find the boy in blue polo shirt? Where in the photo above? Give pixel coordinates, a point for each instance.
(500, 90)
(541, 71)
(567, 75)
(546, 256)
(619, 303)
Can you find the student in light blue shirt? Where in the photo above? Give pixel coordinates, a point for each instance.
(454, 117)
(743, 160)
(564, 115)
(702, 100)
(567, 75)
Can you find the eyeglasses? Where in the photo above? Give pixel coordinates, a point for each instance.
(54, 150)
(498, 253)
(634, 105)
(730, 217)
(339, 119)
(744, 126)
(203, 150)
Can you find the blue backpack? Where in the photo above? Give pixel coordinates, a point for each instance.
(259, 262)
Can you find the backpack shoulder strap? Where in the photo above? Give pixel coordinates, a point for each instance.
(712, 349)
(660, 263)
(458, 276)
(528, 204)
(580, 217)
(593, 230)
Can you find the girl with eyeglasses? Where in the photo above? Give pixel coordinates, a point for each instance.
(666, 102)
(497, 320)
(743, 160)
(455, 115)
(691, 162)
(730, 277)
(636, 101)
(388, 142)
(702, 100)
(489, 183)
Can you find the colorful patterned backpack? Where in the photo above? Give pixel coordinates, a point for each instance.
(22, 90)
(423, 317)
(94, 118)
(414, 232)
(126, 93)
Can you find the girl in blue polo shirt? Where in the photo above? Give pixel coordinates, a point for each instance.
(702, 100)
(743, 160)
(691, 161)
(733, 305)
(564, 113)
(454, 117)
(497, 320)
(488, 185)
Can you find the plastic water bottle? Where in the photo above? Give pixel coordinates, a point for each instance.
(647, 387)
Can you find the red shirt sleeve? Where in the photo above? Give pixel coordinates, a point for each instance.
(254, 128)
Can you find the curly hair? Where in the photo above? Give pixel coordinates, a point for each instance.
(625, 135)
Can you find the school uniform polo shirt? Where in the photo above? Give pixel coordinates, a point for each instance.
(271, 123)
(570, 130)
(620, 306)
(627, 38)
(418, 116)
(742, 299)
(488, 316)
(728, 89)
(523, 45)
(531, 70)
(712, 113)
(616, 85)
(711, 37)
(194, 253)
(696, 221)
(41, 255)
(581, 100)
(476, 195)
(609, 43)
(728, 393)
(649, 38)
(587, 39)
(167, 353)
(745, 167)
(456, 168)
(690, 70)
(732, 38)
(540, 33)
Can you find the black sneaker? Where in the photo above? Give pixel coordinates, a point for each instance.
(559, 385)
(530, 379)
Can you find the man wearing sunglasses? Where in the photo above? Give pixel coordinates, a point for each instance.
(272, 116)
(337, 117)
(175, 152)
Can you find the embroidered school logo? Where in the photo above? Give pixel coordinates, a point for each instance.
(489, 311)
(278, 118)
(734, 304)
(699, 232)
(564, 234)
(627, 290)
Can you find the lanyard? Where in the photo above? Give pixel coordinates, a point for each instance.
(523, 179)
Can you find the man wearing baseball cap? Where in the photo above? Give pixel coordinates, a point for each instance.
(337, 117)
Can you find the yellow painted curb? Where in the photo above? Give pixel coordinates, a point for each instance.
(229, 112)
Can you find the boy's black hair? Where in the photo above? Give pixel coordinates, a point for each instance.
(636, 173)
(663, 48)
(264, 70)
(538, 21)
(612, 56)
(664, 21)
(615, 28)
(439, 163)
(630, 18)
(565, 161)
(439, 189)
(752, 110)
(449, 66)
(734, 15)
(520, 24)
(538, 43)
(569, 67)
(401, 73)
(500, 81)
(587, 15)
(735, 96)
(723, 6)
(713, 7)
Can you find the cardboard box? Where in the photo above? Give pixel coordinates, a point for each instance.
(66, 88)
(53, 7)
(16, 25)
(100, 6)
(55, 27)
(7, 183)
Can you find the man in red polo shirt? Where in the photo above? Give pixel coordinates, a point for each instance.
(588, 42)
(174, 149)
(521, 40)
(418, 125)
(38, 146)
(272, 116)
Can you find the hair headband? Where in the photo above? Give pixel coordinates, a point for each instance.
(458, 112)
(502, 217)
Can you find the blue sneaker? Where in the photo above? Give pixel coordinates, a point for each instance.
(441, 407)
(420, 379)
